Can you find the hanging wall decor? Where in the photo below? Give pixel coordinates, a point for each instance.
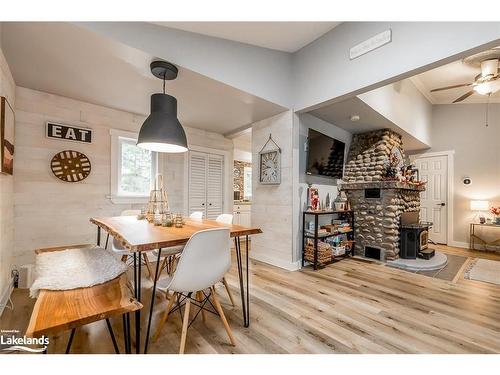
(270, 163)
(6, 137)
(70, 166)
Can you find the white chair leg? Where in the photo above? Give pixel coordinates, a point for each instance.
(164, 318)
(185, 323)
(228, 291)
(222, 317)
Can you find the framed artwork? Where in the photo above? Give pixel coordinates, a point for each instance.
(397, 157)
(270, 163)
(6, 137)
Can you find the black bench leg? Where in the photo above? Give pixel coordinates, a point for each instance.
(126, 333)
(68, 347)
(110, 329)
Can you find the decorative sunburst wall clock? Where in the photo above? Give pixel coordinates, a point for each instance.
(270, 163)
(70, 166)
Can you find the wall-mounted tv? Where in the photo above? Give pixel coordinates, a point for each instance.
(325, 156)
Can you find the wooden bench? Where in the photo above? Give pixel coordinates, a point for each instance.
(56, 311)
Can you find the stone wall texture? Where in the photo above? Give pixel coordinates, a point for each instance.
(369, 153)
(377, 220)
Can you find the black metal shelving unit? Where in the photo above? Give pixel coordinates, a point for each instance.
(348, 215)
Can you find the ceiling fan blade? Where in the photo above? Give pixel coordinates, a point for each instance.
(452, 87)
(464, 96)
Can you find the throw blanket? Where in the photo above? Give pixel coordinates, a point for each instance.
(75, 268)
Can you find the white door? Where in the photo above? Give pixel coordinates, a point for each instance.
(197, 182)
(206, 179)
(433, 201)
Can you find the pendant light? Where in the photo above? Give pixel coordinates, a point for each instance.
(162, 131)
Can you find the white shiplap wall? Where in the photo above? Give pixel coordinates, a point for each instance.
(49, 212)
(7, 89)
(272, 205)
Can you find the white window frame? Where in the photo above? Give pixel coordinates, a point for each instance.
(117, 197)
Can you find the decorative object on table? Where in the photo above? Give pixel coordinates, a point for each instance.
(158, 200)
(7, 122)
(162, 131)
(270, 163)
(479, 206)
(327, 201)
(68, 132)
(167, 220)
(142, 214)
(70, 166)
(157, 219)
(496, 211)
(178, 221)
(489, 220)
(313, 198)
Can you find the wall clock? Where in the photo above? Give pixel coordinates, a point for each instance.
(70, 166)
(270, 163)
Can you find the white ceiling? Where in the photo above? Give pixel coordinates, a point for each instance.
(282, 36)
(450, 74)
(67, 60)
(340, 114)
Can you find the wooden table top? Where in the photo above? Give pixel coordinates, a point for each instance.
(140, 235)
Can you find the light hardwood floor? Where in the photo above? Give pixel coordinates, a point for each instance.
(352, 306)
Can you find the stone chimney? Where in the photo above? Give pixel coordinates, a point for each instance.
(377, 203)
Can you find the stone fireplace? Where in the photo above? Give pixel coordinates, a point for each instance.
(377, 203)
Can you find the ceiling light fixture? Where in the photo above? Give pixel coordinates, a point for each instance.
(487, 87)
(354, 118)
(162, 131)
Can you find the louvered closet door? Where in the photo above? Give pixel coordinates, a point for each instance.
(214, 185)
(197, 182)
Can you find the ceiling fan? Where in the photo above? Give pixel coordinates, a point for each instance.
(485, 83)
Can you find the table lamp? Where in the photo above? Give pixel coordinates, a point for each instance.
(478, 206)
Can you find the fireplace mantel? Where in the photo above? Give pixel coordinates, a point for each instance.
(381, 185)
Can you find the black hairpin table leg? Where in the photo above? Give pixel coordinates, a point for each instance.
(245, 299)
(153, 295)
(137, 288)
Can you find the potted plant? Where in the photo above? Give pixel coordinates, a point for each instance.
(496, 211)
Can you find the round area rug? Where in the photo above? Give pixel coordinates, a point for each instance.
(437, 262)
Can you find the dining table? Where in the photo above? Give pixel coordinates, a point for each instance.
(139, 235)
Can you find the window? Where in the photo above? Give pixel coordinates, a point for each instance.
(133, 169)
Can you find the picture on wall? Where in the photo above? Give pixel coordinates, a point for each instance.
(6, 137)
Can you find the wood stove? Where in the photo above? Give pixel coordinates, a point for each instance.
(414, 237)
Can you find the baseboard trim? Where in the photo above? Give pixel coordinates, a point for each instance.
(6, 295)
(464, 245)
(289, 266)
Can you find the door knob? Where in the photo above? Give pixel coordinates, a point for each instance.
(441, 204)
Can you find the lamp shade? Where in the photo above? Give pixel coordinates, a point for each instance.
(162, 131)
(479, 205)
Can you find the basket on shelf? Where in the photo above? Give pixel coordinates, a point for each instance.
(324, 252)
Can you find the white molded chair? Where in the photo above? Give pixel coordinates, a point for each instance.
(119, 249)
(204, 262)
(226, 219)
(168, 253)
(196, 215)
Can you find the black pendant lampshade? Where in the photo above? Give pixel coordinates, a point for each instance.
(162, 131)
